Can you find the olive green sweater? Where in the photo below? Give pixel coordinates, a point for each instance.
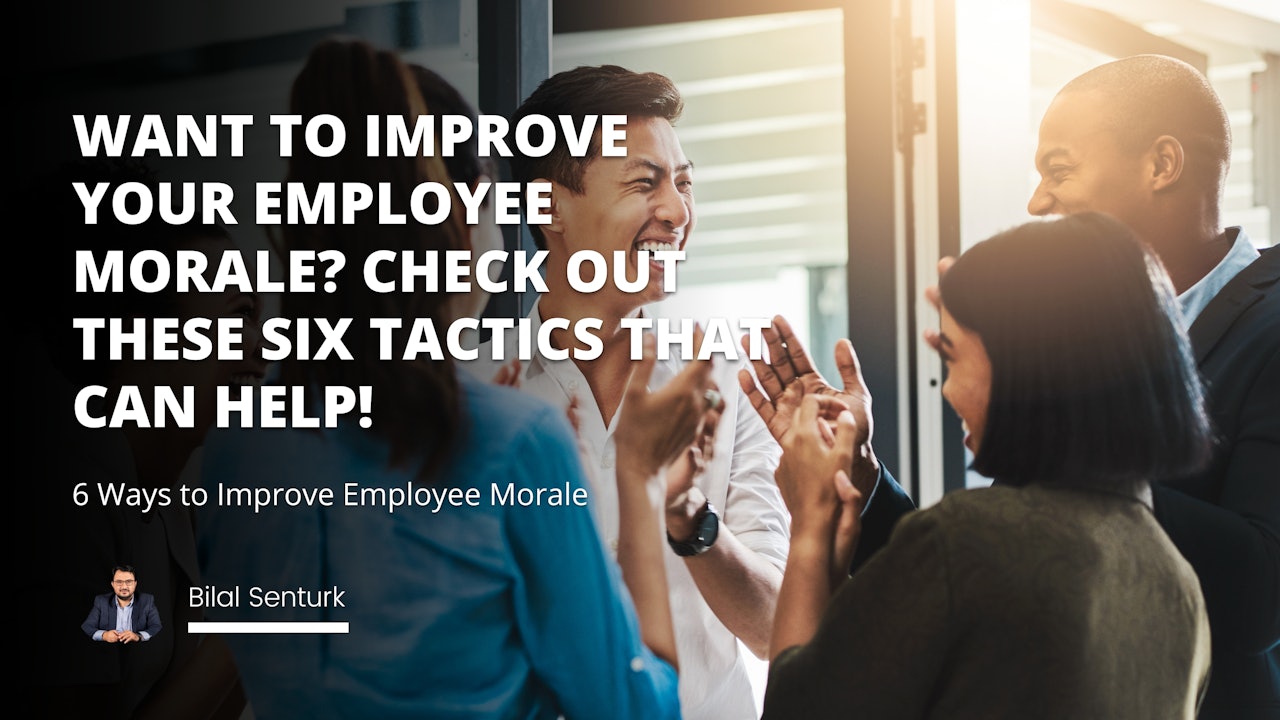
(1035, 602)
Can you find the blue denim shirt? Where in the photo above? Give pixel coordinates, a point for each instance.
(492, 611)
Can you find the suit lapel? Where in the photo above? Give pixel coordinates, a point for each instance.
(115, 612)
(1243, 291)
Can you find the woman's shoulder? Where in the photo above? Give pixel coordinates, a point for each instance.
(1031, 515)
(974, 506)
(1034, 503)
(1070, 528)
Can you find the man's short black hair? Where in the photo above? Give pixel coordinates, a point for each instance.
(124, 568)
(583, 91)
(1152, 95)
(1092, 376)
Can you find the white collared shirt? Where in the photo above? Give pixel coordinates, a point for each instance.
(1195, 298)
(738, 481)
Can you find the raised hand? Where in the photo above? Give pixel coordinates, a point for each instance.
(684, 499)
(810, 461)
(656, 428)
(693, 461)
(789, 375)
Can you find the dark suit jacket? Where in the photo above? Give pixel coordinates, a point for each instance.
(1224, 519)
(105, 608)
(888, 503)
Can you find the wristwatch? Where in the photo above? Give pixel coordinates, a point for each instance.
(706, 530)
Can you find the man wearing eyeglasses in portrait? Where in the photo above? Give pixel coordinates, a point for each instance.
(123, 615)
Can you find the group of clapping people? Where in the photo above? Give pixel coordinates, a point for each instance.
(749, 504)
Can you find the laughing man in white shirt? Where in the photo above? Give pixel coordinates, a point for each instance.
(726, 522)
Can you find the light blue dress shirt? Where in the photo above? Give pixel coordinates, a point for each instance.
(1195, 298)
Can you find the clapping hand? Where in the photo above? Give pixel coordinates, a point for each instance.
(684, 499)
(811, 457)
(789, 375)
(656, 428)
(813, 477)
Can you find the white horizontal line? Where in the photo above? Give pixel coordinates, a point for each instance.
(269, 628)
(752, 81)
(763, 168)
(798, 232)
(1236, 71)
(1261, 8)
(567, 47)
(765, 203)
(758, 126)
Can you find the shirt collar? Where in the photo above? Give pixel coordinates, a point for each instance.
(535, 366)
(1195, 298)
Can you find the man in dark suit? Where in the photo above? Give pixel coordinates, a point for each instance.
(1146, 140)
(123, 615)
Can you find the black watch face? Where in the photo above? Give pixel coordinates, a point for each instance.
(709, 529)
(704, 536)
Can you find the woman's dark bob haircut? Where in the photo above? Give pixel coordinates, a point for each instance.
(1092, 376)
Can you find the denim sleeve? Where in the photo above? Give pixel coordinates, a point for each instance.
(574, 613)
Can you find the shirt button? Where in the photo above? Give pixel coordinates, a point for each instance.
(637, 664)
(606, 461)
(573, 386)
(614, 544)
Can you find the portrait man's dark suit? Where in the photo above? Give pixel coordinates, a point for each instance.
(106, 609)
(1224, 519)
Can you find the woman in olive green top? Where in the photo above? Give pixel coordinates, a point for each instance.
(1054, 593)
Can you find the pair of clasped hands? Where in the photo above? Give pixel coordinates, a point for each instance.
(122, 637)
